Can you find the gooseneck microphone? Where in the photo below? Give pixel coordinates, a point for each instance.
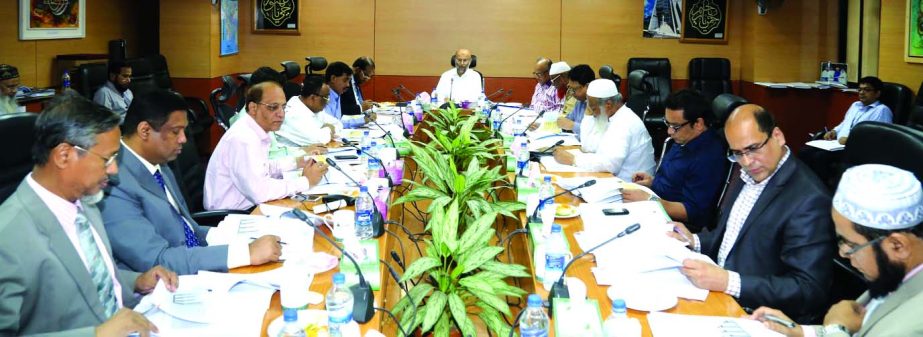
(500, 126)
(378, 227)
(350, 144)
(534, 216)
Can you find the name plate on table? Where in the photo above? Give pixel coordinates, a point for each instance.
(368, 261)
(577, 318)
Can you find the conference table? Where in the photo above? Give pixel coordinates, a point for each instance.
(716, 304)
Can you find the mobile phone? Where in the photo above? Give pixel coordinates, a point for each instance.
(346, 157)
(615, 211)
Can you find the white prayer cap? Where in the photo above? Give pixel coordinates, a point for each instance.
(559, 68)
(880, 196)
(602, 88)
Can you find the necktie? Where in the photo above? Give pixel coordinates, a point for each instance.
(191, 239)
(97, 267)
(357, 93)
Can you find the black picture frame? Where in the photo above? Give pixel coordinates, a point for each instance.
(705, 21)
(276, 17)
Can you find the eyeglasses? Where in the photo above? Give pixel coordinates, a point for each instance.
(854, 247)
(107, 160)
(676, 127)
(734, 155)
(325, 98)
(867, 89)
(274, 107)
(539, 73)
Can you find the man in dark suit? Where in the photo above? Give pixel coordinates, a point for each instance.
(774, 243)
(147, 216)
(57, 276)
(352, 100)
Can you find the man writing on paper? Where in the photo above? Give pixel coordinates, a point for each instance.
(9, 84)
(878, 213)
(578, 79)
(352, 100)
(692, 172)
(612, 138)
(305, 121)
(774, 242)
(146, 213)
(240, 174)
(58, 277)
(338, 76)
(460, 83)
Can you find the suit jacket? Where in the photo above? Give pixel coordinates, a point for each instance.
(899, 314)
(145, 227)
(784, 252)
(44, 286)
(348, 104)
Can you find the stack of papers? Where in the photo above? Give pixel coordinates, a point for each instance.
(541, 141)
(606, 190)
(296, 235)
(829, 145)
(552, 165)
(670, 325)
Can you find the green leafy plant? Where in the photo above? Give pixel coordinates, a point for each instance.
(462, 145)
(451, 120)
(462, 279)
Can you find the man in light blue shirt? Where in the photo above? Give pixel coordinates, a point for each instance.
(337, 78)
(868, 108)
(115, 94)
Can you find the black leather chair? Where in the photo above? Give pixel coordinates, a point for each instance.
(314, 63)
(915, 119)
(90, 77)
(142, 76)
(16, 132)
(607, 73)
(710, 76)
(659, 73)
(899, 98)
(219, 101)
(641, 90)
(159, 71)
(722, 106)
(291, 70)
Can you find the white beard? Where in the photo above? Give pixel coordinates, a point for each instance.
(8, 104)
(591, 139)
(92, 199)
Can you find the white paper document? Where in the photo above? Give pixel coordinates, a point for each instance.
(296, 235)
(678, 325)
(829, 145)
(552, 165)
(541, 141)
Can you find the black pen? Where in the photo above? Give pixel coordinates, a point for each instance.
(773, 318)
(280, 242)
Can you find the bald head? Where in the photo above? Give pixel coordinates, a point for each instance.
(755, 141)
(462, 60)
(540, 71)
(752, 113)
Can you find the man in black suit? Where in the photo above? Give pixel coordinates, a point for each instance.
(352, 100)
(774, 243)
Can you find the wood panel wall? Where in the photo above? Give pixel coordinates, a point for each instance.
(891, 65)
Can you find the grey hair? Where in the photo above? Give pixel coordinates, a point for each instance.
(614, 99)
(72, 119)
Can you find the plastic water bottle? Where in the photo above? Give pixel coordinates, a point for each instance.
(555, 255)
(434, 100)
(547, 209)
(66, 80)
(366, 139)
(374, 166)
(339, 306)
(619, 324)
(364, 204)
(291, 328)
(522, 157)
(534, 322)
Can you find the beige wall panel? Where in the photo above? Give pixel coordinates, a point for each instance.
(185, 37)
(891, 65)
(20, 54)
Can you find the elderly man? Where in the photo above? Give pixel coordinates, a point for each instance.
(305, 122)
(774, 242)
(612, 137)
(352, 100)
(692, 172)
(338, 76)
(115, 94)
(459, 84)
(545, 95)
(240, 174)
(58, 276)
(146, 211)
(878, 213)
(260, 75)
(578, 79)
(9, 83)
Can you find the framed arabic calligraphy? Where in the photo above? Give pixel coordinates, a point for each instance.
(276, 16)
(705, 21)
(52, 19)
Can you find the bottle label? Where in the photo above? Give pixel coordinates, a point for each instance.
(341, 316)
(533, 332)
(363, 217)
(554, 262)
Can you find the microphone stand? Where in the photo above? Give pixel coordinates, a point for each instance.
(363, 297)
(500, 126)
(534, 216)
(377, 218)
(535, 155)
(388, 133)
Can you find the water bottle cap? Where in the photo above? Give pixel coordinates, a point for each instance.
(534, 300)
(374, 142)
(365, 132)
(555, 228)
(290, 315)
(363, 189)
(618, 305)
(339, 278)
(547, 179)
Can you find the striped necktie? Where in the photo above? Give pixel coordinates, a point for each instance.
(191, 239)
(96, 265)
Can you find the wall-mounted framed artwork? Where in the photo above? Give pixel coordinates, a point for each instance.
(52, 19)
(276, 16)
(705, 21)
(229, 21)
(913, 29)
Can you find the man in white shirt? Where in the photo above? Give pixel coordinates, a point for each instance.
(613, 138)
(9, 83)
(459, 84)
(305, 121)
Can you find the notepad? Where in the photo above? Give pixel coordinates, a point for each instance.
(829, 145)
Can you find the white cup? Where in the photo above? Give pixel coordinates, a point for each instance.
(294, 286)
(342, 223)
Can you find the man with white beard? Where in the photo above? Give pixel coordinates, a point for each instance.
(613, 138)
(9, 83)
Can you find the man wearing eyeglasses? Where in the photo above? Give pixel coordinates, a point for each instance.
(774, 241)
(305, 121)
(240, 174)
(578, 79)
(352, 100)
(692, 171)
(338, 77)
(58, 277)
(878, 214)
(545, 96)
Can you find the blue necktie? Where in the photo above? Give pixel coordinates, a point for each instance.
(191, 239)
(96, 265)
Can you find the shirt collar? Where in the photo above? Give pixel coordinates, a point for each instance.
(865, 107)
(913, 272)
(150, 167)
(334, 96)
(749, 180)
(65, 211)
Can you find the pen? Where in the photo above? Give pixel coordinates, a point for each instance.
(280, 242)
(677, 231)
(773, 318)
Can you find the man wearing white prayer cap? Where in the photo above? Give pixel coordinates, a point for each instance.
(612, 137)
(878, 213)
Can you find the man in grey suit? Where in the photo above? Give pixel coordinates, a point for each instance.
(878, 213)
(147, 213)
(57, 276)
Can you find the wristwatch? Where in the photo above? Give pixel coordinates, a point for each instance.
(653, 198)
(834, 330)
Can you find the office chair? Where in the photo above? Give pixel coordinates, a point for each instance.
(291, 70)
(899, 98)
(607, 73)
(219, 101)
(159, 71)
(314, 63)
(16, 132)
(90, 77)
(710, 76)
(142, 76)
(915, 119)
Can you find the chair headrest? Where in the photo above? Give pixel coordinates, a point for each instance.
(606, 72)
(315, 63)
(636, 79)
(290, 69)
(724, 104)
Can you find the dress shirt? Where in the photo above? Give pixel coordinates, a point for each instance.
(238, 254)
(576, 115)
(240, 174)
(545, 97)
(466, 87)
(627, 149)
(693, 174)
(859, 112)
(66, 213)
(110, 97)
(334, 109)
(305, 127)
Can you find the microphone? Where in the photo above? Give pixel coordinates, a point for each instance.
(500, 126)
(396, 92)
(507, 96)
(534, 216)
(540, 114)
(390, 138)
(451, 88)
(378, 227)
(558, 290)
(535, 155)
(363, 297)
(495, 93)
(350, 144)
(403, 287)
